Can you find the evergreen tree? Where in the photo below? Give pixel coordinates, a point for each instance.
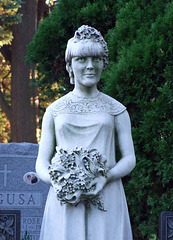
(48, 45)
(140, 76)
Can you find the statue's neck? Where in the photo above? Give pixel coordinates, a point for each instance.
(88, 92)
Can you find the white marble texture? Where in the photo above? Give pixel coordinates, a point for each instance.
(90, 119)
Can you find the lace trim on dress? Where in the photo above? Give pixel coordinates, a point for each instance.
(86, 106)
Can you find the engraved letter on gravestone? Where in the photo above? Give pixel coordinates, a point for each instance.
(20, 188)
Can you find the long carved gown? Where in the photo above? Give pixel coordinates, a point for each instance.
(87, 123)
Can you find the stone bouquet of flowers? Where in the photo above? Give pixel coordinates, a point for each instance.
(72, 172)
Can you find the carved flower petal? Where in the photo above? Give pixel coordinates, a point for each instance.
(9, 222)
(66, 176)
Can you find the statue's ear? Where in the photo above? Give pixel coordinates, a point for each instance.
(70, 71)
(68, 67)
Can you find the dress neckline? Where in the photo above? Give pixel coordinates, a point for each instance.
(85, 98)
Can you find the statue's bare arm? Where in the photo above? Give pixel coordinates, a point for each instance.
(127, 162)
(46, 147)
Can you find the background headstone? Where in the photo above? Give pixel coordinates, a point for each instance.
(166, 226)
(20, 188)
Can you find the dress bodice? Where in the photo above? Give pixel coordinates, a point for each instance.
(87, 123)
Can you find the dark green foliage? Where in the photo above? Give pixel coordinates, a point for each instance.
(140, 76)
(26, 236)
(48, 45)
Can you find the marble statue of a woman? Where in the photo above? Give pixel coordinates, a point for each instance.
(82, 125)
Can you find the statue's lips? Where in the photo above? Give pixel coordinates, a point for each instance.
(89, 75)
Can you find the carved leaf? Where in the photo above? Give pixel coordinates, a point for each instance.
(9, 222)
(10, 231)
(2, 237)
(92, 167)
(78, 160)
(2, 225)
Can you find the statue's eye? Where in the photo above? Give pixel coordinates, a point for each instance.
(81, 59)
(97, 59)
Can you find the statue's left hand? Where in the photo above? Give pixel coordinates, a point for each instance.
(99, 184)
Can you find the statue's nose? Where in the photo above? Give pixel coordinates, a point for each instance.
(90, 63)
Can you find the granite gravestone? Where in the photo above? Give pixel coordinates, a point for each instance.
(21, 191)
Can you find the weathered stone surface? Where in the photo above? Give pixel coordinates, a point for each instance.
(20, 188)
(166, 226)
(10, 224)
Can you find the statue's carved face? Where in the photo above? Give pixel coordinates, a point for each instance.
(87, 63)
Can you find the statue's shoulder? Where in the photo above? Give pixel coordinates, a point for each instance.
(72, 104)
(58, 105)
(112, 106)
